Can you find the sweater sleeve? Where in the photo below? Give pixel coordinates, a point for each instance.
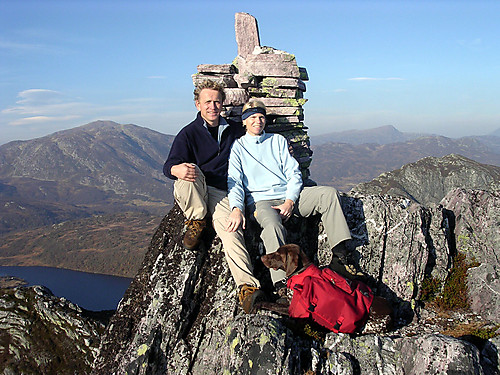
(179, 153)
(291, 170)
(236, 191)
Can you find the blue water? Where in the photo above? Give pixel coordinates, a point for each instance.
(88, 290)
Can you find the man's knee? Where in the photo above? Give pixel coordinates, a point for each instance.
(328, 191)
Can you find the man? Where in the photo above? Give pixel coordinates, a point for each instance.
(198, 162)
(265, 178)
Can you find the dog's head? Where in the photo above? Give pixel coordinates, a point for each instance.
(286, 258)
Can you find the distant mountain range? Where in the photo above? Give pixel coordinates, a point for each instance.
(345, 165)
(99, 167)
(94, 173)
(382, 135)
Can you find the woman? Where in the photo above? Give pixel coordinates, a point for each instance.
(265, 179)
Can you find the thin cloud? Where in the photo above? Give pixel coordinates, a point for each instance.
(375, 79)
(16, 46)
(40, 107)
(40, 119)
(472, 44)
(41, 102)
(22, 47)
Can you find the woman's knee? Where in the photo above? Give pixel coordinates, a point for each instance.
(270, 221)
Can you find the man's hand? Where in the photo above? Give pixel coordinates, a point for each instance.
(235, 219)
(184, 171)
(285, 209)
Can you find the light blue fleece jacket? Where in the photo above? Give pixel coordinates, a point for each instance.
(261, 168)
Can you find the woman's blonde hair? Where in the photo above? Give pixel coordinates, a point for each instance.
(253, 104)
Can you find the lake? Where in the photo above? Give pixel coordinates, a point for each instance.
(88, 290)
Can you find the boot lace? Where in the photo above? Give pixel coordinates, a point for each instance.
(246, 291)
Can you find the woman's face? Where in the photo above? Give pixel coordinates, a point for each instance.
(255, 124)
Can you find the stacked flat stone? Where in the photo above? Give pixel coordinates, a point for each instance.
(269, 75)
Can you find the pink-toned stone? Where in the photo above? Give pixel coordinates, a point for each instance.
(282, 102)
(217, 69)
(284, 111)
(225, 80)
(283, 82)
(247, 33)
(269, 65)
(236, 96)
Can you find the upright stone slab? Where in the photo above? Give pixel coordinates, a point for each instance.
(247, 33)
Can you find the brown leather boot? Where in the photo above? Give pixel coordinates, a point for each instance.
(193, 233)
(342, 265)
(248, 296)
(347, 269)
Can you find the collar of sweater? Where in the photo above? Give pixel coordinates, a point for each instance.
(255, 138)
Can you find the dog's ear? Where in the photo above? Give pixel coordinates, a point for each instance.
(292, 258)
(303, 257)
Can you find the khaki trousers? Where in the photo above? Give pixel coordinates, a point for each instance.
(196, 199)
(312, 200)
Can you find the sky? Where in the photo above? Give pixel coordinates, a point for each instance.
(421, 66)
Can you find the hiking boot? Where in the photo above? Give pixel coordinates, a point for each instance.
(248, 296)
(345, 268)
(283, 294)
(193, 233)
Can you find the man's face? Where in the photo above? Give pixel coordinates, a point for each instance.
(209, 104)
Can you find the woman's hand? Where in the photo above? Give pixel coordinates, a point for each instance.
(285, 209)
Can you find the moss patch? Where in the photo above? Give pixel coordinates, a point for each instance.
(475, 329)
(454, 293)
(431, 287)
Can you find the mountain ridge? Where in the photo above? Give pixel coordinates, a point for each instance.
(382, 135)
(345, 165)
(100, 167)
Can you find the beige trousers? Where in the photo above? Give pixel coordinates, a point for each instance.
(196, 199)
(312, 200)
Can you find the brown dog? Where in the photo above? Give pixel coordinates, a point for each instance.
(291, 259)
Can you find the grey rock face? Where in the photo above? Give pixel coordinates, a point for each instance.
(43, 334)
(423, 354)
(477, 230)
(181, 314)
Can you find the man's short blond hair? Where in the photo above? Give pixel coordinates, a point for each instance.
(209, 84)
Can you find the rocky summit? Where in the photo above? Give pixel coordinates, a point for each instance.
(428, 180)
(181, 315)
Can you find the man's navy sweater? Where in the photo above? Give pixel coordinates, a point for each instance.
(194, 144)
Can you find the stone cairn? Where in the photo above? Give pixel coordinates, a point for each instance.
(271, 76)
